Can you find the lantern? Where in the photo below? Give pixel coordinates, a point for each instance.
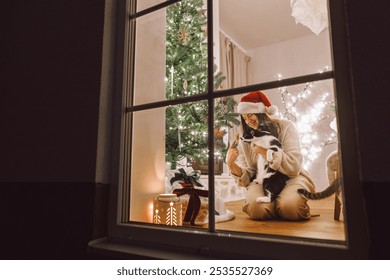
(167, 210)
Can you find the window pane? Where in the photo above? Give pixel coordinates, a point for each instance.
(186, 134)
(166, 142)
(263, 42)
(144, 4)
(147, 162)
(311, 108)
(171, 53)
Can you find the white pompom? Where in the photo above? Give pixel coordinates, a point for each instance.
(272, 110)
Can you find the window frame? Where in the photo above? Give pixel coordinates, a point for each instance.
(124, 237)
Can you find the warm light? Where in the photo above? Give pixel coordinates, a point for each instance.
(307, 118)
(150, 212)
(167, 210)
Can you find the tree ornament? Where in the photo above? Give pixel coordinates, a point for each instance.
(185, 85)
(183, 35)
(187, 17)
(219, 133)
(203, 12)
(204, 29)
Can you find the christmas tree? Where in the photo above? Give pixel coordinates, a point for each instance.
(186, 74)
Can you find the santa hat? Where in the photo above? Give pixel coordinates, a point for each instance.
(256, 102)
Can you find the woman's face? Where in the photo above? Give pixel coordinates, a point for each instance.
(251, 120)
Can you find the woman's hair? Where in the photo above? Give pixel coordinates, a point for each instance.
(266, 124)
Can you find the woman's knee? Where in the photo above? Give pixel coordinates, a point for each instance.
(260, 211)
(292, 207)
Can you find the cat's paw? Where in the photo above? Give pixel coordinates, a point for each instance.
(263, 199)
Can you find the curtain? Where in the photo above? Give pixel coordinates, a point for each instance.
(234, 64)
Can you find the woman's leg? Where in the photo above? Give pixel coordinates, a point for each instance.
(290, 205)
(256, 210)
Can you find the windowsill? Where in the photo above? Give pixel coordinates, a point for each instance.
(112, 249)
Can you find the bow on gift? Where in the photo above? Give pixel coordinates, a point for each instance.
(191, 179)
(188, 188)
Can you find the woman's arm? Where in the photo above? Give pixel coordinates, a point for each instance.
(289, 160)
(238, 165)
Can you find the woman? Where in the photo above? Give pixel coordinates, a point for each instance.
(241, 158)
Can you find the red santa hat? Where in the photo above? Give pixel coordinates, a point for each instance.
(256, 102)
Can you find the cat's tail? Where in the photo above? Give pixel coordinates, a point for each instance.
(334, 187)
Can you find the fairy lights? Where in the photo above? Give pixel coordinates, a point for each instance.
(308, 110)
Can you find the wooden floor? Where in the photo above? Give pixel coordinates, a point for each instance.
(319, 227)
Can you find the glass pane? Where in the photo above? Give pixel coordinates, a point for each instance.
(305, 124)
(147, 163)
(166, 142)
(171, 53)
(270, 40)
(186, 134)
(144, 4)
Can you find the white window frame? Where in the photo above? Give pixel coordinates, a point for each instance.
(125, 238)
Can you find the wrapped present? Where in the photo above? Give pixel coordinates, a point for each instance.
(185, 183)
(194, 196)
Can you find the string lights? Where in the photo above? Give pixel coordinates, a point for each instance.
(308, 111)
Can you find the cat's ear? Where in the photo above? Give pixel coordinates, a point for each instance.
(262, 128)
(247, 135)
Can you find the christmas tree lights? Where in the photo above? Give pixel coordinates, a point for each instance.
(186, 75)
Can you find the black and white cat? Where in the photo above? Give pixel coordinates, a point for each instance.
(272, 181)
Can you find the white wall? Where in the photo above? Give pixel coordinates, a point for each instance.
(216, 28)
(304, 55)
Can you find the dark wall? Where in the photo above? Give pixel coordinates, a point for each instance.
(370, 67)
(50, 94)
(370, 63)
(49, 99)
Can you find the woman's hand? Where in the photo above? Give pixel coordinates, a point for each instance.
(260, 150)
(232, 154)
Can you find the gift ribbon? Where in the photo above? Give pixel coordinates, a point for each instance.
(191, 178)
(193, 202)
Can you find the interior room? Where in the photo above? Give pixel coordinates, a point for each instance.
(264, 41)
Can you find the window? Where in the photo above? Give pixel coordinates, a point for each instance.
(183, 67)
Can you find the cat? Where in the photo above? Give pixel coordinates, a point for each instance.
(273, 181)
(331, 189)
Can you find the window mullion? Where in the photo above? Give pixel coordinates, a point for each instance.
(210, 62)
(126, 120)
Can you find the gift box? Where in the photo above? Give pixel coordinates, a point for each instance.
(186, 184)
